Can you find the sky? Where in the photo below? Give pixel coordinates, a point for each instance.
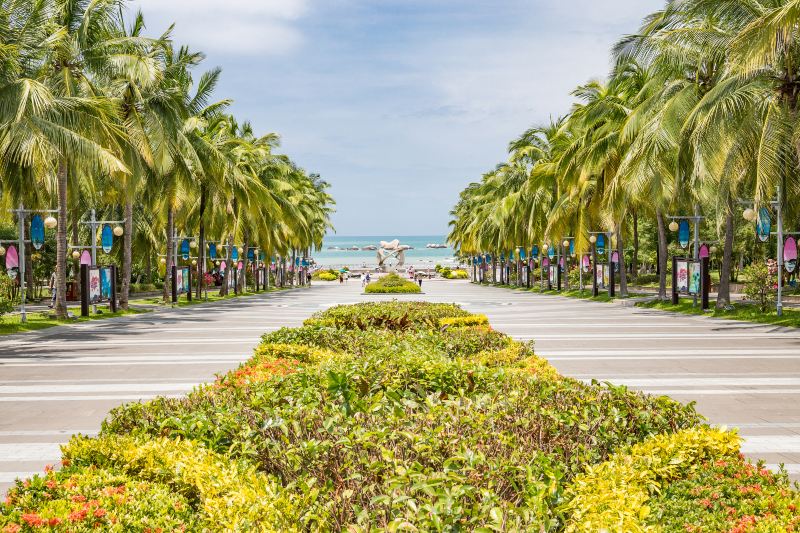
(398, 104)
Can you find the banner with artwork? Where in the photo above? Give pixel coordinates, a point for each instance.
(179, 281)
(185, 246)
(12, 262)
(763, 224)
(790, 254)
(37, 231)
(601, 244)
(212, 251)
(586, 264)
(553, 276)
(682, 276)
(95, 287)
(600, 276)
(683, 234)
(694, 277)
(105, 283)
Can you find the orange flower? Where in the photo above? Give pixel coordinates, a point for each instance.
(12, 528)
(33, 519)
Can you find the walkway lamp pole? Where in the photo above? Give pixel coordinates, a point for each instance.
(751, 215)
(93, 224)
(695, 220)
(593, 240)
(49, 223)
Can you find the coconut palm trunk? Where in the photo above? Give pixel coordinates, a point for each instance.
(635, 261)
(662, 256)
(170, 258)
(623, 274)
(127, 246)
(724, 291)
(61, 243)
(201, 246)
(245, 263)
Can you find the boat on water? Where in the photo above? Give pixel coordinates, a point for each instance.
(371, 248)
(435, 246)
(354, 248)
(333, 248)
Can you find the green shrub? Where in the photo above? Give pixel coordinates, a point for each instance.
(6, 292)
(761, 285)
(464, 321)
(143, 287)
(445, 272)
(614, 495)
(455, 274)
(646, 279)
(325, 275)
(386, 315)
(392, 283)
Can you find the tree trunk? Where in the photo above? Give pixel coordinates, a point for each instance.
(127, 250)
(223, 291)
(724, 291)
(245, 262)
(623, 274)
(170, 259)
(61, 243)
(201, 245)
(148, 266)
(662, 256)
(635, 259)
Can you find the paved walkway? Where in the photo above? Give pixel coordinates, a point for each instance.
(64, 380)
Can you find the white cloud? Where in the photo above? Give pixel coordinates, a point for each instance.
(232, 26)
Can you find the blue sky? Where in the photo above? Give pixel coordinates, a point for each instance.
(399, 103)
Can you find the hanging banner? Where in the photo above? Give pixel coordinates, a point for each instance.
(600, 276)
(107, 238)
(262, 256)
(222, 268)
(502, 257)
(586, 264)
(764, 224)
(235, 253)
(790, 254)
(212, 251)
(240, 266)
(510, 256)
(522, 254)
(95, 287)
(615, 257)
(86, 258)
(37, 232)
(545, 263)
(571, 247)
(185, 246)
(251, 254)
(551, 252)
(704, 251)
(601, 244)
(683, 234)
(535, 251)
(12, 258)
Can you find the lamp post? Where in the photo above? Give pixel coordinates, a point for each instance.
(593, 240)
(49, 223)
(93, 224)
(751, 215)
(695, 219)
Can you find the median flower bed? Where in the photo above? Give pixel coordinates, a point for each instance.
(392, 284)
(397, 416)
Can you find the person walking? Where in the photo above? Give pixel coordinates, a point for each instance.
(419, 280)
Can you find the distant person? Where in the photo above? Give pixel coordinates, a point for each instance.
(419, 280)
(367, 277)
(52, 289)
(341, 278)
(364, 281)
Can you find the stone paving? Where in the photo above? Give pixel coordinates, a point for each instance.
(62, 381)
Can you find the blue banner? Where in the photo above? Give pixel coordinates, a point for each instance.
(683, 233)
(522, 254)
(535, 251)
(107, 238)
(235, 253)
(185, 249)
(37, 231)
(551, 252)
(251, 254)
(212, 251)
(601, 244)
(572, 247)
(764, 224)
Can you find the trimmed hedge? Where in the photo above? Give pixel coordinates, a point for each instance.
(395, 416)
(392, 284)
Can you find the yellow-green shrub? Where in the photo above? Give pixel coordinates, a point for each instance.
(463, 321)
(613, 495)
(232, 496)
(298, 352)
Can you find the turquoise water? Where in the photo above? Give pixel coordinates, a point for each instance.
(420, 256)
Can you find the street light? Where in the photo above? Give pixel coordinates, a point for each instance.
(673, 226)
(750, 214)
(50, 222)
(593, 239)
(2, 251)
(118, 231)
(75, 254)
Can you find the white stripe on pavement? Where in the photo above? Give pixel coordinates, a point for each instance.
(698, 382)
(98, 398)
(96, 387)
(48, 433)
(762, 444)
(30, 451)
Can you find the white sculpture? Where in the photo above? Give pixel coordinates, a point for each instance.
(391, 251)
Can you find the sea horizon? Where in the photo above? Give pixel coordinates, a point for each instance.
(419, 256)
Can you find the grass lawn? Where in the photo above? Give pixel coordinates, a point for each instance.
(36, 321)
(740, 311)
(213, 296)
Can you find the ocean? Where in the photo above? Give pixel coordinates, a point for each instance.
(419, 256)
